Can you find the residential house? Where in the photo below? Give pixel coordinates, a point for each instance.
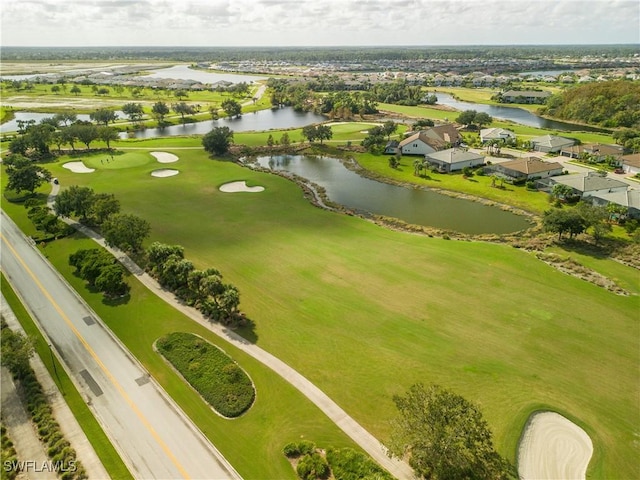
(430, 140)
(550, 143)
(525, 96)
(631, 163)
(454, 159)
(490, 134)
(626, 198)
(391, 148)
(524, 169)
(589, 184)
(598, 151)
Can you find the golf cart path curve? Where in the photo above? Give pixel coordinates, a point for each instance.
(347, 424)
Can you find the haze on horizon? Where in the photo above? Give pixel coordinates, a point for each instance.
(220, 23)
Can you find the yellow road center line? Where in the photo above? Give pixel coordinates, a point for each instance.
(119, 387)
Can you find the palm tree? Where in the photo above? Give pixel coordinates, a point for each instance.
(418, 166)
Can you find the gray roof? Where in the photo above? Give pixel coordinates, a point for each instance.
(552, 141)
(453, 156)
(589, 182)
(626, 198)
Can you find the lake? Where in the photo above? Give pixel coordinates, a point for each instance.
(514, 114)
(183, 72)
(412, 205)
(278, 118)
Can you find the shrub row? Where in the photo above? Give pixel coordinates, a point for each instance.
(9, 457)
(341, 464)
(220, 381)
(37, 406)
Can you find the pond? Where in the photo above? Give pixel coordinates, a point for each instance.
(278, 118)
(514, 114)
(12, 125)
(412, 205)
(183, 72)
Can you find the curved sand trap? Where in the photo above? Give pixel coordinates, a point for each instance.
(164, 172)
(78, 167)
(552, 447)
(234, 187)
(164, 157)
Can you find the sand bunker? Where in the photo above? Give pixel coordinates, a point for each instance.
(164, 172)
(552, 447)
(164, 157)
(78, 167)
(234, 187)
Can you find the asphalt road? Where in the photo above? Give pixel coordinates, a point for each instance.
(153, 436)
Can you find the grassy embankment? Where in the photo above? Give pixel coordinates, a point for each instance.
(42, 99)
(491, 322)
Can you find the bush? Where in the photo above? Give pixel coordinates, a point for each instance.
(220, 381)
(312, 467)
(291, 450)
(348, 464)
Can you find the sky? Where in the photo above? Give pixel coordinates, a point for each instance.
(317, 22)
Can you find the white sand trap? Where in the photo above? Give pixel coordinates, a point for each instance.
(553, 448)
(164, 172)
(164, 157)
(78, 167)
(234, 187)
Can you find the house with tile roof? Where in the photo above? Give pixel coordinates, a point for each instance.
(550, 143)
(589, 184)
(630, 199)
(430, 140)
(523, 169)
(489, 134)
(631, 163)
(453, 159)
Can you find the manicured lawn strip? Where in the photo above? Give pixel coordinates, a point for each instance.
(221, 382)
(253, 442)
(477, 185)
(490, 322)
(90, 426)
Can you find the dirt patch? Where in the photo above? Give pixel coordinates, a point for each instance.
(553, 447)
(78, 167)
(164, 172)
(235, 187)
(164, 157)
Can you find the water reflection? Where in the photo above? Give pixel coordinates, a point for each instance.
(514, 114)
(412, 205)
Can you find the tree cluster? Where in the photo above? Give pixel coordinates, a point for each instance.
(610, 104)
(317, 132)
(378, 136)
(101, 271)
(345, 105)
(445, 436)
(203, 289)
(91, 208)
(576, 220)
(218, 140)
(473, 118)
(63, 129)
(24, 175)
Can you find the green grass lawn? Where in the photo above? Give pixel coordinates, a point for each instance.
(365, 312)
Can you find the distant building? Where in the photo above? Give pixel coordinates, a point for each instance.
(631, 163)
(525, 96)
